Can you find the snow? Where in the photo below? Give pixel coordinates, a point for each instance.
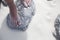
(41, 26)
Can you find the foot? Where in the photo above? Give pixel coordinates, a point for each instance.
(26, 3)
(16, 20)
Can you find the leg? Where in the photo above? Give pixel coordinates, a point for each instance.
(13, 11)
(26, 3)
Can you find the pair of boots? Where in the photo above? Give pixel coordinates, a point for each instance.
(24, 16)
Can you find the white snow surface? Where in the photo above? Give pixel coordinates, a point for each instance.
(41, 26)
